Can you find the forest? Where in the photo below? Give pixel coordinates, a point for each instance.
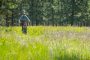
(46, 12)
(44, 30)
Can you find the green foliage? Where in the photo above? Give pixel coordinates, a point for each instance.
(47, 12)
(45, 43)
(36, 31)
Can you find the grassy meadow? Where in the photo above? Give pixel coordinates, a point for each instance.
(45, 43)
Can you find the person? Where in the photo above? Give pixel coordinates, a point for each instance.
(24, 27)
(24, 20)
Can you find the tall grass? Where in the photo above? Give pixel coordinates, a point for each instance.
(45, 43)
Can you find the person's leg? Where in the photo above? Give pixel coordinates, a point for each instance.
(25, 30)
(22, 29)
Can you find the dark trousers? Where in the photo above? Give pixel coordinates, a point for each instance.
(24, 29)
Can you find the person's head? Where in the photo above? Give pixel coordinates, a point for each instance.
(23, 12)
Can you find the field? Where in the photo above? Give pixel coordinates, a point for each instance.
(45, 43)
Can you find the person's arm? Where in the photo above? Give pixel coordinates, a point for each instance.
(27, 18)
(19, 19)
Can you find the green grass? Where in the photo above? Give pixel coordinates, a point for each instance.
(45, 43)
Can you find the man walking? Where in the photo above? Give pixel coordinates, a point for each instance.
(24, 20)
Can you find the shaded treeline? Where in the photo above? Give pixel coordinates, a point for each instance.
(46, 12)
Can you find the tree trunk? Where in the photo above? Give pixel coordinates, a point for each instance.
(12, 23)
(72, 15)
(7, 24)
